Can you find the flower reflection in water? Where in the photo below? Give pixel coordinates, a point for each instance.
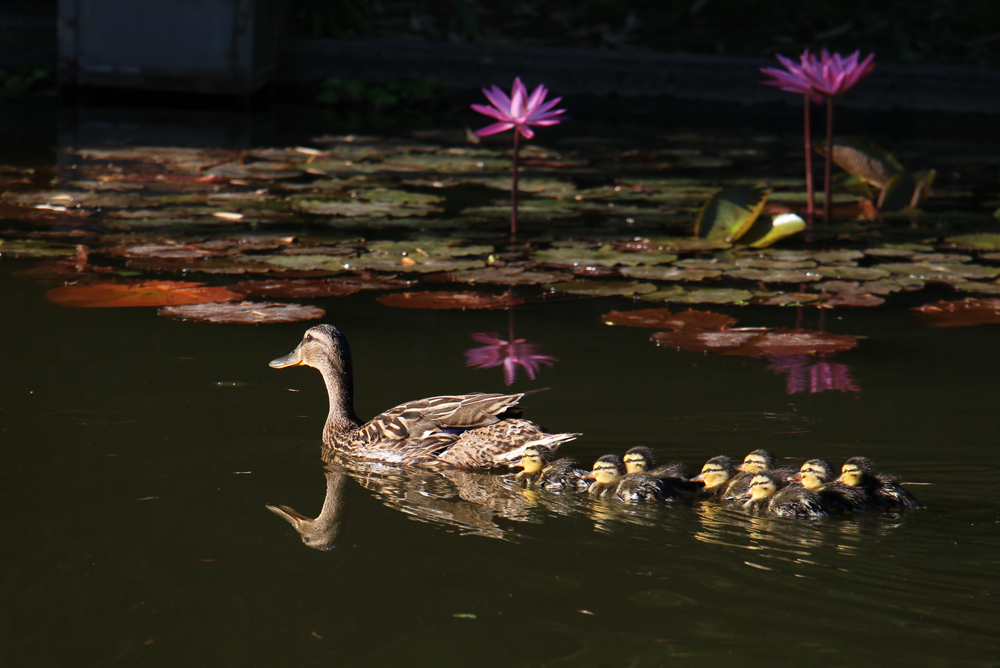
(813, 374)
(510, 354)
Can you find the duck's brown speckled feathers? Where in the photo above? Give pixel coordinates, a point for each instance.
(645, 487)
(468, 431)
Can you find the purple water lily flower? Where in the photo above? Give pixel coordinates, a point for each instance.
(811, 374)
(519, 111)
(815, 78)
(510, 354)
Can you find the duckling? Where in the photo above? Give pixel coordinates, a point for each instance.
(641, 459)
(716, 474)
(608, 470)
(880, 488)
(769, 496)
(612, 482)
(817, 476)
(754, 463)
(540, 471)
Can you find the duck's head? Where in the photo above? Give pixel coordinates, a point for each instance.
(814, 474)
(607, 469)
(716, 471)
(757, 461)
(323, 347)
(854, 471)
(640, 459)
(762, 486)
(535, 457)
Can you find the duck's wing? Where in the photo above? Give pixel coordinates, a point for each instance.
(500, 444)
(465, 411)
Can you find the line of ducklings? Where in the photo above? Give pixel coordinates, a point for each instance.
(757, 485)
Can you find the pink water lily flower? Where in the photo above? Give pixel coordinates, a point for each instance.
(519, 110)
(828, 75)
(810, 374)
(510, 354)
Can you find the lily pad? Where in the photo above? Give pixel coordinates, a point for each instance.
(699, 296)
(34, 248)
(899, 250)
(533, 209)
(661, 318)
(767, 230)
(677, 244)
(730, 213)
(906, 190)
(311, 288)
(427, 248)
(963, 313)
(975, 242)
(868, 162)
(977, 286)
(449, 300)
(776, 276)
(660, 273)
(837, 272)
(243, 313)
(416, 263)
(786, 299)
(601, 289)
(756, 342)
(510, 275)
(147, 293)
(605, 256)
(758, 262)
(942, 272)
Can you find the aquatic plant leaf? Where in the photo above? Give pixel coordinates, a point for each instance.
(34, 248)
(699, 296)
(605, 256)
(776, 276)
(730, 213)
(531, 209)
(661, 318)
(973, 242)
(898, 192)
(864, 160)
(243, 313)
(786, 299)
(767, 230)
(146, 293)
(510, 275)
(449, 300)
(923, 189)
(757, 261)
(311, 288)
(416, 263)
(756, 342)
(600, 289)
(661, 273)
(941, 258)
(837, 272)
(977, 286)
(715, 264)
(942, 272)
(677, 244)
(263, 170)
(427, 247)
(963, 313)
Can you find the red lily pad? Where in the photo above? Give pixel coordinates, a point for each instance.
(756, 342)
(243, 313)
(962, 313)
(146, 293)
(309, 288)
(449, 300)
(661, 318)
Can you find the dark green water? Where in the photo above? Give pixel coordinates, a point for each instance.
(138, 454)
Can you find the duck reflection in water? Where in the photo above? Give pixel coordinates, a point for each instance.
(805, 373)
(470, 500)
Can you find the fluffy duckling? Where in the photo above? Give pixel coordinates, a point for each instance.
(608, 470)
(768, 496)
(641, 459)
(817, 475)
(716, 474)
(881, 489)
(611, 481)
(538, 470)
(754, 463)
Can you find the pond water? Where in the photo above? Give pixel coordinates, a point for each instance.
(140, 454)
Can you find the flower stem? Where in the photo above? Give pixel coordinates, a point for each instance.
(829, 159)
(810, 190)
(513, 187)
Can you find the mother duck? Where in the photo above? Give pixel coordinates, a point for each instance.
(466, 431)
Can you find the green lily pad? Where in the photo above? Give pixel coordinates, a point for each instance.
(417, 263)
(730, 213)
(850, 273)
(906, 191)
(942, 272)
(974, 242)
(264, 170)
(756, 261)
(773, 276)
(676, 244)
(660, 273)
(864, 160)
(767, 230)
(941, 258)
(449, 300)
(786, 299)
(533, 209)
(605, 256)
(510, 275)
(426, 248)
(699, 296)
(602, 289)
(714, 264)
(978, 287)
(34, 248)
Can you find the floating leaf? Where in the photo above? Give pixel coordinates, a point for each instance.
(605, 256)
(661, 273)
(898, 192)
(942, 272)
(677, 244)
(756, 342)
(509, 275)
(311, 288)
(699, 296)
(963, 313)
(773, 276)
(766, 230)
(599, 289)
(532, 209)
(760, 262)
(34, 248)
(449, 300)
(786, 299)
(427, 248)
(730, 213)
(941, 258)
(977, 286)
(975, 242)
(850, 273)
(868, 162)
(661, 318)
(243, 313)
(898, 250)
(147, 293)
(416, 262)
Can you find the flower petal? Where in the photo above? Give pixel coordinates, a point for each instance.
(493, 129)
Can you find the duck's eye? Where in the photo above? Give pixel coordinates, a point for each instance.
(310, 337)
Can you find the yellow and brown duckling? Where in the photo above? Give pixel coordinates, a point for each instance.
(769, 494)
(818, 476)
(716, 474)
(538, 470)
(611, 481)
(641, 459)
(754, 463)
(881, 489)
